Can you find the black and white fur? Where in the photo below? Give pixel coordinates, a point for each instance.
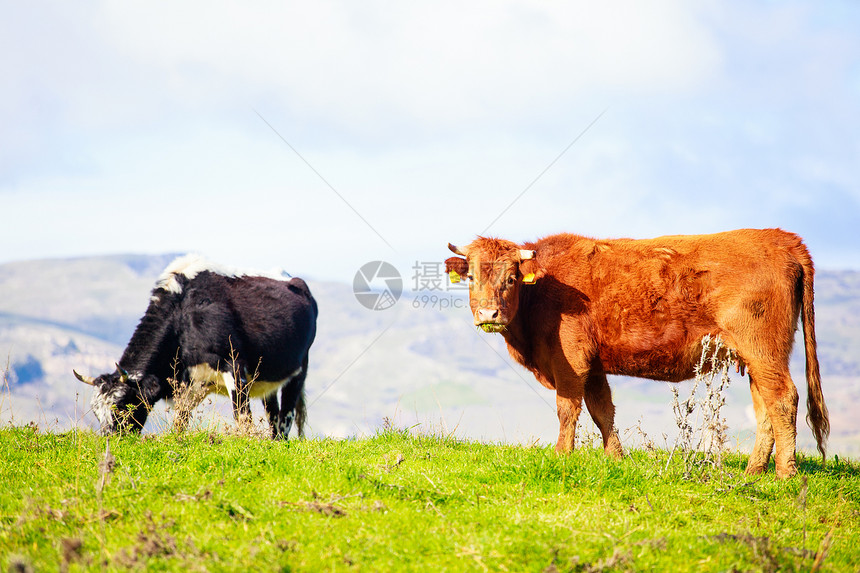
(233, 333)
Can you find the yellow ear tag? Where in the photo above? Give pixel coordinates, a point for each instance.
(454, 276)
(529, 279)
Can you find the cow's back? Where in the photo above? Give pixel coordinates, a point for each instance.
(648, 303)
(268, 324)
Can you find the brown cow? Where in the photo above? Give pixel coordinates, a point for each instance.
(574, 309)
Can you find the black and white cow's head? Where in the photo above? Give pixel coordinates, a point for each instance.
(119, 402)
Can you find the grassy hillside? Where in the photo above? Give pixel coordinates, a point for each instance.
(396, 501)
(418, 362)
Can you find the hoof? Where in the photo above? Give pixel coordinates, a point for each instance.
(786, 472)
(755, 469)
(614, 450)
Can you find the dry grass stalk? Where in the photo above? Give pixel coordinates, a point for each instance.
(703, 431)
(587, 435)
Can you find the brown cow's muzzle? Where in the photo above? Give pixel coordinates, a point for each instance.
(489, 320)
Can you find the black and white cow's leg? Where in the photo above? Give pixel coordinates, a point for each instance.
(292, 402)
(270, 402)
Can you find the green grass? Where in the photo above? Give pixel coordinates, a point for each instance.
(398, 501)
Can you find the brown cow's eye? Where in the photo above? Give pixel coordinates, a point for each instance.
(470, 278)
(511, 280)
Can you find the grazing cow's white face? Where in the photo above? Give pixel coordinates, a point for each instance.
(495, 270)
(117, 402)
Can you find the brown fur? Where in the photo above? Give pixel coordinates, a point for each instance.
(641, 308)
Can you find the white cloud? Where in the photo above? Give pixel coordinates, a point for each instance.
(429, 118)
(430, 63)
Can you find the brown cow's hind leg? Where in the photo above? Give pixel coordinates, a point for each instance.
(598, 400)
(763, 447)
(785, 435)
(779, 395)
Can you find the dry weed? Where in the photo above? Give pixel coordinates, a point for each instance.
(703, 436)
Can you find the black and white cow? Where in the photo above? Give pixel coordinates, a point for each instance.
(209, 329)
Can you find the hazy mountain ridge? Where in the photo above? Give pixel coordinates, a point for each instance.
(412, 363)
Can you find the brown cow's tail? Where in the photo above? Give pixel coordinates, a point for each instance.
(816, 410)
(302, 413)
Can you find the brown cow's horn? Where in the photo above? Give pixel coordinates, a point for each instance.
(457, 250)
(85, 379)
(526, 255)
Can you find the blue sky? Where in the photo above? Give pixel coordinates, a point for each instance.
(319, 136)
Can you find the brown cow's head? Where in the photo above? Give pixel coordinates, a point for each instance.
(496, 270)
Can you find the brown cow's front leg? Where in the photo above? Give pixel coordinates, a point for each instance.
(598, 400)
(568, 399)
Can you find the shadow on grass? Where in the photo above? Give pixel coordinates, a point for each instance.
(835, 466)
(807, 464)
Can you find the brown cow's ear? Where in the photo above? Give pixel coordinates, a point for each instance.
(456, 268)
(531, 272)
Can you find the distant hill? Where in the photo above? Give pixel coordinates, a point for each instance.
(412, 364)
